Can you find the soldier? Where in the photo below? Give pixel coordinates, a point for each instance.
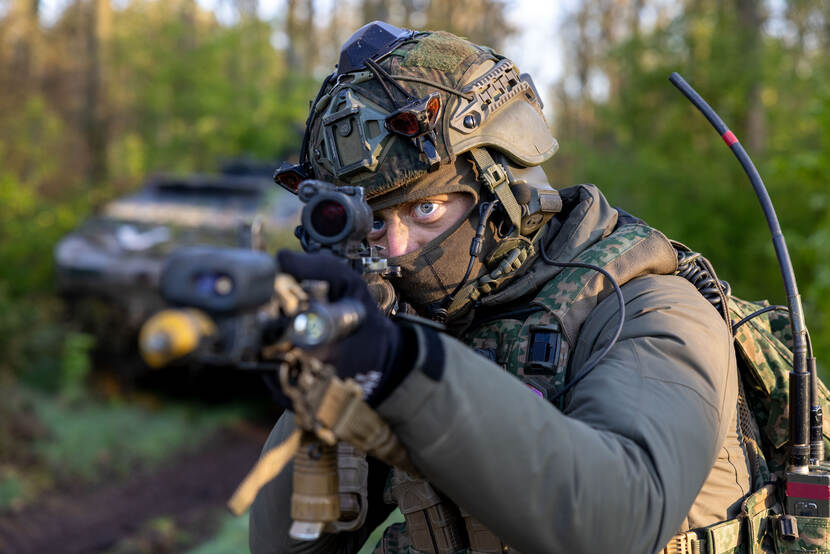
(611, 430)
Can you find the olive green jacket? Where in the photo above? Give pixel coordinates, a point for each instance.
(647, 444)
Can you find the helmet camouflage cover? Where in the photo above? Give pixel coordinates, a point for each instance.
(353, 137)
(395, 116)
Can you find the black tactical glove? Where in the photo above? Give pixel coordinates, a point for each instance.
(379, 353)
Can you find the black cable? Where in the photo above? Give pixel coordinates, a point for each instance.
(389, 78)
(593, 364)
(485, 211)
(382, 83)
(753, 315)
(438, 309)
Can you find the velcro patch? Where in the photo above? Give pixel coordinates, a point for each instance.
(439, 50)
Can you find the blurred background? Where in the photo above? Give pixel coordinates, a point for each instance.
(128, 127)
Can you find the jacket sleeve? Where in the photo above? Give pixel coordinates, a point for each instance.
(270, 516)
(618, 470)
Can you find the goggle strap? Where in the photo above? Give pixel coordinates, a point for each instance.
(494, 177)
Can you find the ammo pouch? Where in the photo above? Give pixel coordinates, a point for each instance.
(760, 528)
(482, 540)
(352, 489)
(801, 533)
(435, 525)
(748, 533)
(433, 522)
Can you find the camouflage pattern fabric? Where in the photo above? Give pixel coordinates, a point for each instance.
(508, 340)
(764, 347)
(755, 512)
(566, 301)
(424, 59)
(347, 138)
(724, 537)
(813, 536)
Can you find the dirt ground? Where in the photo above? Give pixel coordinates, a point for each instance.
(190, 489)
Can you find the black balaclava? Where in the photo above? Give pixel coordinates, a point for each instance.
(431, 273)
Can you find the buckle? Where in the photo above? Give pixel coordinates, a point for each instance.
(683, 543)
(493, 175)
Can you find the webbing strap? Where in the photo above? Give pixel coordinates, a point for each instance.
(721, 538)
(493, 175)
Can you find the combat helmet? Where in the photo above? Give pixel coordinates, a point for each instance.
(404, 108)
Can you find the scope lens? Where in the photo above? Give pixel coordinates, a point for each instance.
(328, 218)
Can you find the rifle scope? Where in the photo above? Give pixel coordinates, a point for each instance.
(333, 216)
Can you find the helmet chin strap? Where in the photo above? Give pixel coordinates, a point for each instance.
(494, 176)
(514, 250)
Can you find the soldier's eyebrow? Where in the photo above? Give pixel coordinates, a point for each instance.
(434, 198)
(403, 206)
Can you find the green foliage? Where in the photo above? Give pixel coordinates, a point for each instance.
(178, 91)
(37, 130)
(11, 489)
(198, 91)
(29, 228)
(658, 158)
(31, 339)
(75, 365)
(231, 537)
(395, 517)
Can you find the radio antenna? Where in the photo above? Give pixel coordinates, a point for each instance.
(800, 375)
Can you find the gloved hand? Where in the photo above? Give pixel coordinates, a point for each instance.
(379, 353)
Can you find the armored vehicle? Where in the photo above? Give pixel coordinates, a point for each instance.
(108, 268)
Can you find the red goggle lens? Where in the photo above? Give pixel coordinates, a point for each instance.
(404, 123)
(417, 118)
(433, 106)
(290, 180)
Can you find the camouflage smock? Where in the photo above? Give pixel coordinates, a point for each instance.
(645, 446)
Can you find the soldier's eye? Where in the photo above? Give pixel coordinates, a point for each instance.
(378, 225)
(424, 209)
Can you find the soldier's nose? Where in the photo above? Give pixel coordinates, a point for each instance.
(398, 238)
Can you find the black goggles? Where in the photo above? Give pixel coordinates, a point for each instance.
(289, 176)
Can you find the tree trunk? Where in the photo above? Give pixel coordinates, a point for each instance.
(94, 123)
(750, 22)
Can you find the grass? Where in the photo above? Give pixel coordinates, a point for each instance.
(232, 536)
(394, 517)
(90, 439)
(117, 436)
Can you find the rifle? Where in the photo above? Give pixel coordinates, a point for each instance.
(234, 307)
